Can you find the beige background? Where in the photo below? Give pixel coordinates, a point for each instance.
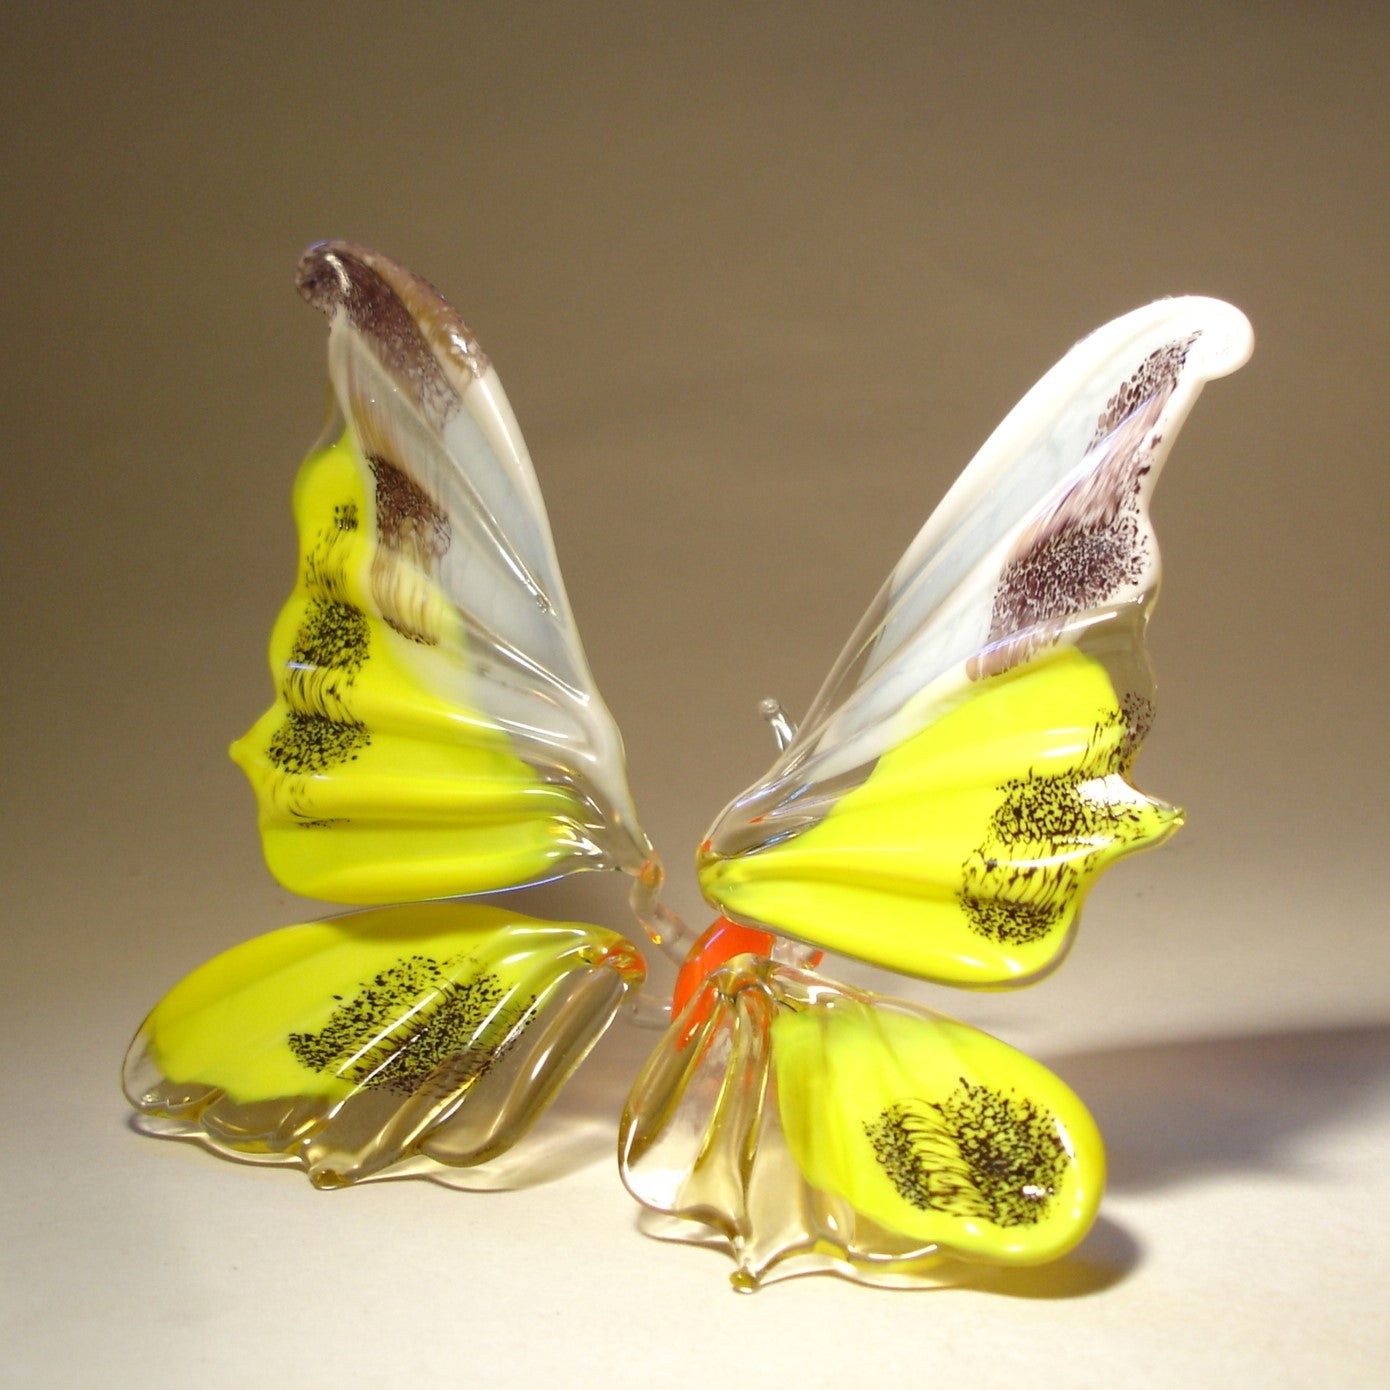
(759, 280)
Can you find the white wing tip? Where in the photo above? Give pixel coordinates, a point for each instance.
(1225, 338)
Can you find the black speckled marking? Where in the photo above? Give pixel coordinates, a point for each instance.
(1156, 375)
(313, 743)
(410, 1020)
(980, 1154)
(330, 647)
(1090, 544)
(332, 634)
(1139, 718)
(323, 565)
(1042, 840)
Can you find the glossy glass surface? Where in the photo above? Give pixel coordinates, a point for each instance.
(958, 785)
(966, 853)
(963, 773)
(807, 1127)
(403, 1040)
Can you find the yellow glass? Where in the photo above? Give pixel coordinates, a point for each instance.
(937, 1131)
(408, 1038)
(966, 854)
(377, 780)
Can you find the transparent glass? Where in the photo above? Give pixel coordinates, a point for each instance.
(808, 1127)
(959, 783)
(412, 1040)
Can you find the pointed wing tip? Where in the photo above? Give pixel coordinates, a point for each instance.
(324, 274)
(409, 321)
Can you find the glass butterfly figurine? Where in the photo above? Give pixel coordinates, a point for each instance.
(958, 784)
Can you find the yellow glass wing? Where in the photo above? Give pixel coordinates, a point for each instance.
(375, 782)
(966, 854)
(962, 777)
(436, 730)
(808, 1127)
(937, 1131)
(400, 1039)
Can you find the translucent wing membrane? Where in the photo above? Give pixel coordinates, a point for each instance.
(962, 777)
(436, 729)
(806, 1127)
(419, 1039)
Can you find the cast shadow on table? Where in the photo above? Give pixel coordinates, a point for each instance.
(1171, 1112)
(1176, 1112)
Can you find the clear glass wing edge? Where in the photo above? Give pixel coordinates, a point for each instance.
(934, 627)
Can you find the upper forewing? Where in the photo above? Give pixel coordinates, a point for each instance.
(1043, 546)
(436, 728)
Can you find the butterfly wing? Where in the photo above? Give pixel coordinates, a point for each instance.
(962, 777)
(803, 1126)
(436, 730)
(421, 1039)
